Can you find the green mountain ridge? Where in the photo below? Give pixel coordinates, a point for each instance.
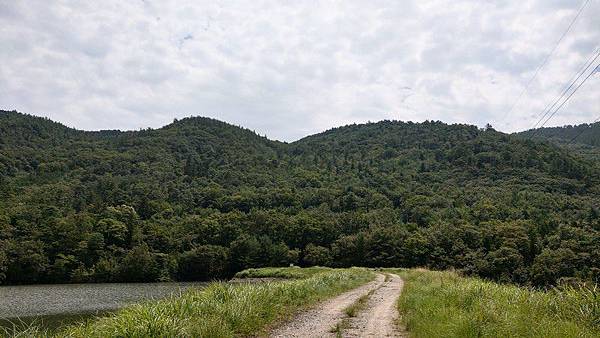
(584, 134)
(201, 199)
(584, 139)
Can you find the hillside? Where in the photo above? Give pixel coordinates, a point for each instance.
(585, 134)
(584, 139)
(201, 199)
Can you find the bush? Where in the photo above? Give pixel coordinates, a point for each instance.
(203, 263)
(316, 255)
(139, 265)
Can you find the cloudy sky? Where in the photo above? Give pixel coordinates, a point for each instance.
(288, 69)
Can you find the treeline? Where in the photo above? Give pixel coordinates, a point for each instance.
(121, 247)
(200, 199)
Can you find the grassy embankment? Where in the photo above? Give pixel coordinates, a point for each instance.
(443, 304)
(285, 273)
(222, 309)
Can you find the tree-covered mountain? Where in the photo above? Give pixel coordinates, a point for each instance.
(583, 139)
(585, 134)
(201, 199)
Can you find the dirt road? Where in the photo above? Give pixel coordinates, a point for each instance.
(318, 321)
(380, 317)
(377, 319)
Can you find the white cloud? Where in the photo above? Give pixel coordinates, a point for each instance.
(289, 69)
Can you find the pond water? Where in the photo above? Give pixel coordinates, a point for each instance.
(52, 306)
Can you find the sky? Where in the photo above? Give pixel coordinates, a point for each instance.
(288, 69)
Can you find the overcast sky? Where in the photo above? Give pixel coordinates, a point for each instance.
(287, 69)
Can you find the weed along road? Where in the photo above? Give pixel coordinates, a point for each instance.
(367, 311)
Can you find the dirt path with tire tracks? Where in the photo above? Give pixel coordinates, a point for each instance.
(318, 321)
(380, 316)
(377, 319)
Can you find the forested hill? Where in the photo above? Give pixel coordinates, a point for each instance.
(201, 199)
(587, 134)
(583, 139)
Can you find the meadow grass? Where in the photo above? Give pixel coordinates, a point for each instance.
(444, 304)
(219, 310)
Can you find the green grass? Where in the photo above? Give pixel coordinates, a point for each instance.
(221, 309)
(444, 304)
(285, 273)
(24, 330)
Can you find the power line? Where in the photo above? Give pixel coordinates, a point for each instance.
(569, 85)
(570, 95)
(546, 59)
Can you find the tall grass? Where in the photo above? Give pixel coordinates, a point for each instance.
(221, 309)
(444, 304)
(23, 330)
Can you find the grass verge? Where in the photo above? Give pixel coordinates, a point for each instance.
(444, 304)
(221, 309)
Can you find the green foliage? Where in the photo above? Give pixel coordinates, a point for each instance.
(27, 262)
(106, 270)
(436, 304)
(316, 255)
(551, 265)
(201, 194)
(245, 253)
(203, 262)
(588, 134)
(139, 265)
(3, 265)
(583, 138)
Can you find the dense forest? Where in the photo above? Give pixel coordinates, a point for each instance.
(583, 139)
(583, 134)
(201, 199)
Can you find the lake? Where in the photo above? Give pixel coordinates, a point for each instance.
(52, 306)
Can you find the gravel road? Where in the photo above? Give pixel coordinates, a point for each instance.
(318, 321)
(380, 317)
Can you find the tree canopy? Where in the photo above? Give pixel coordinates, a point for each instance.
(201, 199)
